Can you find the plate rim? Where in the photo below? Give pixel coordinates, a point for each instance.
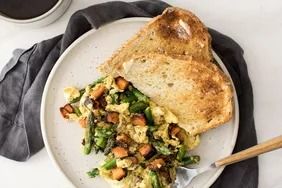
(81, 39)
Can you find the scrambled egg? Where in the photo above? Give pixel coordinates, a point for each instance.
(105, 173)
(136, 175)
(73, 117)
(120, 108)
(108, 99)
(124, 163)
(137, 133)
(162, 132)
(164, 117)
(170, 117)
(84, 109)
(108, 81)
(192, 141)
(159, 113)
(134, 179)
(71, 93)
(111, 85)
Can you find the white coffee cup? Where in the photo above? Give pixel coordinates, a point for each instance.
(46, 18)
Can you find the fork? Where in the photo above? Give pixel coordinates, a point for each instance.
(185, 175)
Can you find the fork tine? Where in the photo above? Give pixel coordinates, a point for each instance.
(184, 177)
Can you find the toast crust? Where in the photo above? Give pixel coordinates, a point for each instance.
(176, 32)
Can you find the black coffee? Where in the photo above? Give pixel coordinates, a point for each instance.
(25, 9)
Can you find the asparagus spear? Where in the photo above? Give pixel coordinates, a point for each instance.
(128, 97)
(161, 148)
(100, 80)
(81, 92)
(101, 137)
(115, 98)
(181, 153)
(149, 116)
(89, 134)
(76, 111)
(155, 179)
(101, 142)
(190, 160)
(140, 96)
(138, 107)
(110, 164)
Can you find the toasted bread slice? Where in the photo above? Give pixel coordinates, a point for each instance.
(177, 33)
(170, 61)
(199, 95)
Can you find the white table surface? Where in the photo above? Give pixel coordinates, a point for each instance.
(255, 24)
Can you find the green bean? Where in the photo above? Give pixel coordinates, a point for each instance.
(138, 107)
(181, 153)
(154, 179)
(190, 160)
(110, 164)
(149, 116)
(93, 173)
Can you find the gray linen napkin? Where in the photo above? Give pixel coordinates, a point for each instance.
(22, 81)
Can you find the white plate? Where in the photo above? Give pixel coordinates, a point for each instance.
(77, 67)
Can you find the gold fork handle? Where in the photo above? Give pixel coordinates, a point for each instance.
(256, 150)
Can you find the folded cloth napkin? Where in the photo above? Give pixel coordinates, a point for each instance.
(22, 81)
